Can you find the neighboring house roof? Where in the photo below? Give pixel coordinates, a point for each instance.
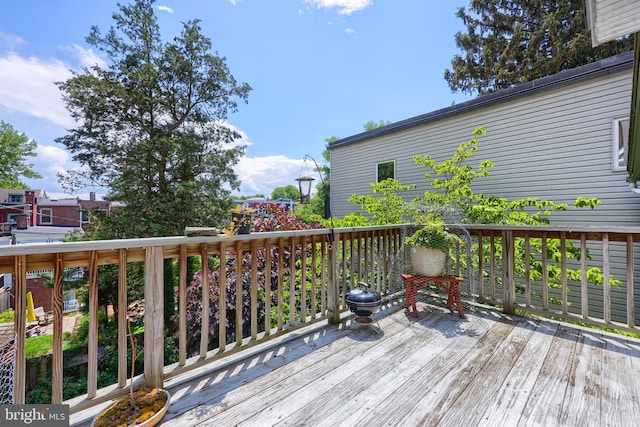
(564, 78)
(6, 192)
(46, 203)
(74, 201)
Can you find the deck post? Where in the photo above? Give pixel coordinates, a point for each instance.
(92, 356)
(333, 297)
(57, 374)
(20, 320)
(122, 318)
(630, 297)
(154, 317)
(508, 276)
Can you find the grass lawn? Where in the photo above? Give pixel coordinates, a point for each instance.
(43, 344)
(38, 346)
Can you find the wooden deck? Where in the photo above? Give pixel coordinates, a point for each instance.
(437, 369)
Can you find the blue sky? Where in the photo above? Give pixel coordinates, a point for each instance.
(318, 68)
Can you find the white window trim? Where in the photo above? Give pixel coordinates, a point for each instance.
(386, 161)
(615, 154)
(50, 215)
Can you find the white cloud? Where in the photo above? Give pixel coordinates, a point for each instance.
(27, 86)
(87, 57)
(165, 8)
(261, 175)
(349, 31)
(9, 43)
(48, 162)
(53, 159)
(234, 2)
(346, 7)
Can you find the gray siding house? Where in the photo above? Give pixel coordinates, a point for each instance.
(558, 138)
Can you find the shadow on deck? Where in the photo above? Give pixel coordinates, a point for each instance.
(487, 370)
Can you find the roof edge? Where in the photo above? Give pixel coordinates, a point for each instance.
(604, 67)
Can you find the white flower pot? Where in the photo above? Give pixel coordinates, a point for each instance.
(427, 262)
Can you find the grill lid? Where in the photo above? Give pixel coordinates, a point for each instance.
(362, 294)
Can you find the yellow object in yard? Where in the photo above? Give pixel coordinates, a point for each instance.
(31, 311)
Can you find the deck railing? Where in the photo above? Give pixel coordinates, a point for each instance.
(607, 252)
(272, 283)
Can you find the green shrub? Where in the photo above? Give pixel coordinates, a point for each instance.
(41, 394)
(7, 316)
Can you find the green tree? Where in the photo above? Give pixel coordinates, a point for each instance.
(317, 208)
(509, 42)
(323, 189)
(371, 124)
(450, 192)
(451, 181)
(254, 196)
(151, 127)
(15, 148)
(287, 192)
(389, 208)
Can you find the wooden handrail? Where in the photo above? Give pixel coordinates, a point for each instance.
(329, 263)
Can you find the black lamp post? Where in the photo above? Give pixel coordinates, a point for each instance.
(305, 194)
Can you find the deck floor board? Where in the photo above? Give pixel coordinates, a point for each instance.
(434, 370)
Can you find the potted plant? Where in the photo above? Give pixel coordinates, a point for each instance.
(143, 407)
(241, 221)
(428, 248)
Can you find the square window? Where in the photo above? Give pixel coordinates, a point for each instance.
(385, 170)
(46, 216)
(620, 143)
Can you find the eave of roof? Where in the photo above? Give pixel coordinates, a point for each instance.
(604, 67)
